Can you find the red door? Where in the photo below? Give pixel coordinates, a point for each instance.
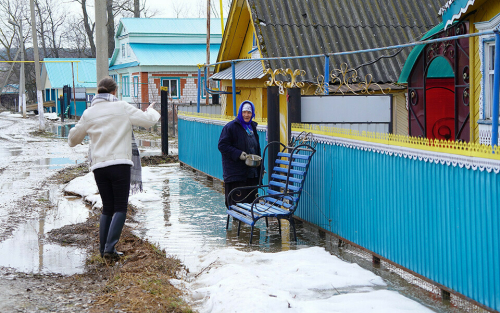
(440, 108)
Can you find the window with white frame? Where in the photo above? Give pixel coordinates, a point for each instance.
(488, 77)
(128, 50)
(487, 55)
(125, 86)
(173, 87)
(123, 50)
(136, 86)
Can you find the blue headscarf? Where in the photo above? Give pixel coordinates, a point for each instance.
(246, 126)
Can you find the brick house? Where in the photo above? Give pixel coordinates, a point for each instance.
(154, 52)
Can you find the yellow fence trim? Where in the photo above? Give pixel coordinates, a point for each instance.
(434, 145)
(218, 117)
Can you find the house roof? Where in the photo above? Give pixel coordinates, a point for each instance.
(453, 10)
(181, 26)
(243, 70)
(169, 55)
(60, 73)
(296, 27)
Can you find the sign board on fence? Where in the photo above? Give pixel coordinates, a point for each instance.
(346, 109)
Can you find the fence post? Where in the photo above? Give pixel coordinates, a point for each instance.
(61, 104)
(164, 120)
(273, 124)
(294, 109)
(199, 89)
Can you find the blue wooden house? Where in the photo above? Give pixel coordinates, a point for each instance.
(154, 52)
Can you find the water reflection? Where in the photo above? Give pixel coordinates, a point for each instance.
(190, 220)
(61, 131)
(27, 250)
(58, 163)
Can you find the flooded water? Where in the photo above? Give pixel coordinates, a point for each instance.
(61, 131)
(149, 147)
(190, 219)
(27, 250)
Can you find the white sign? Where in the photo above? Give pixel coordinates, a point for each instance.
(346, 109)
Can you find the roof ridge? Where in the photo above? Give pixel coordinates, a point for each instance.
(348, 26)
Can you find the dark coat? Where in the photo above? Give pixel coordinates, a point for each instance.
(232, 142)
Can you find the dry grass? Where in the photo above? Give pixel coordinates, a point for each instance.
(139, 282)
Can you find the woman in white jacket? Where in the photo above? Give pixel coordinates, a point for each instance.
(108, 123)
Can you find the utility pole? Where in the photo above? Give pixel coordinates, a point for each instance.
(207, 98)
(39, 95)
(22, 83)
(22, 97)
(101, 35)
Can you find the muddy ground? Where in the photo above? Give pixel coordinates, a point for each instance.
(140, 282)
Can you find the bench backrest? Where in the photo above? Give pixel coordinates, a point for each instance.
(288, 175)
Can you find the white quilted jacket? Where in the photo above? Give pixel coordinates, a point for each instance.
(109, 126)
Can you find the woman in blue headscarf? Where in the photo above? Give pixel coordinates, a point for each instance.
(238, 139)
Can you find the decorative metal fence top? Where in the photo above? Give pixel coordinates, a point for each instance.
(341, 81)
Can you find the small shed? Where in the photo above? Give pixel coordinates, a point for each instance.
(78, 72)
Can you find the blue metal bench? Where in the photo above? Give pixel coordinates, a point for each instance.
(280, 198)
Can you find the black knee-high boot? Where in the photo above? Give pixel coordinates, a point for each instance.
(103, 231)
(114, 233)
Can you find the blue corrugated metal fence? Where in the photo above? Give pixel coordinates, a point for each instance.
(440, 221)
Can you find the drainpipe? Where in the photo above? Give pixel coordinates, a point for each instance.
(496, 91)
(199, 89)
(233, 72)
(327, 73)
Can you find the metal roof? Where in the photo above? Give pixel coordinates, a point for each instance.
(60, 74)
(172, 54)
(181, 26)
(243, 70)
(298, 27)
(453, 10)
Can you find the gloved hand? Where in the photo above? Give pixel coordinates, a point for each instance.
(243, 156)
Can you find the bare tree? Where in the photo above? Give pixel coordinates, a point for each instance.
(88, 25)
(75, 38)
(178, 8)
(49, 24)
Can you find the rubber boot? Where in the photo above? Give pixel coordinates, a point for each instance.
(115, 231)
(103, 231)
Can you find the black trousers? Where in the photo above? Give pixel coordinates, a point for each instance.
(247, 194)
(113, 183)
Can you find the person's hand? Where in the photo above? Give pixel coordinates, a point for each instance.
(243, 156)
(152, 105)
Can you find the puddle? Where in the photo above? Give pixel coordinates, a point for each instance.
(190, 219)
(6, 152)
(61, 131)
(58, 163)
(26, 250)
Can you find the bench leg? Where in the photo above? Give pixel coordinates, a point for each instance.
(239, 226)
(251, 235)
(279, 226)
(267, 223)
(227, 224)
(292, 222)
